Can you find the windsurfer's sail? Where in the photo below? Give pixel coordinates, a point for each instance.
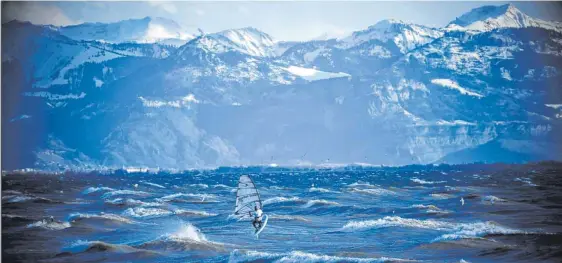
(247, 198)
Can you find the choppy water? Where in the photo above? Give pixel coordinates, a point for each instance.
(511, 213)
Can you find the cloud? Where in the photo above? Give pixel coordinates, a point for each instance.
(42, 13)
(169, 7)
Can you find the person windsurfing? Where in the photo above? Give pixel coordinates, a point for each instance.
(249, 204)
(257, 218)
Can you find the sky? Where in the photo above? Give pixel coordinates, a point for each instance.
(287, 20)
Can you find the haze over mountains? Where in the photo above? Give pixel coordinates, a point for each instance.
(150, 93)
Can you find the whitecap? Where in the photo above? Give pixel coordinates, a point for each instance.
(153, 184)
(199, 197)
(431, 209)
(421, 181)
(442, 196)
(425, 206)
(101, 216)
(361, 184)
(50, 225)
(479, 229)
(319, 202)
(525, 180)
(124, 192)
(199, 186)
(396, 221)
(186, 237)
(132, 202)
(17, 198)
(298, 256)
(221, 186)
(192, 212)
(454, 230)
(90, 190)
(280, 199)
(373, 191)
(188, 232)
(321, 190)
(144, 212)
(492, 199)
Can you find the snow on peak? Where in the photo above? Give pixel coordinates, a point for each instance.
(388, 24)
(144, 30)
(488, 18)
(404, 35)
(311, 74)
(451, 84)
(246, 40)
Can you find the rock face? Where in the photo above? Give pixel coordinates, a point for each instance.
(484, 88)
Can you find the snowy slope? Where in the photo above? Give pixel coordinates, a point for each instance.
(145, 30)
(488, 18)
(247, 40)
(405, 36)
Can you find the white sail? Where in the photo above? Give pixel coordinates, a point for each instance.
(247, 198)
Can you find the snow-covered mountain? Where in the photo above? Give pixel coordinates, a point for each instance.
(488, 18)
(394, 93)
(145, 30)
(404, 36)
(247, 40)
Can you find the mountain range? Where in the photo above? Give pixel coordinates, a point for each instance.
(149, 93)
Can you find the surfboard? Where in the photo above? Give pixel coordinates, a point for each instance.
(264, 223)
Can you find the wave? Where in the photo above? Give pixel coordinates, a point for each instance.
(275, 187)
(193, 212)
(21, 198)
(16, 198)
(421, 181)
(493, 199)
(480, 229)
(425, 207)
(90, 190)
(181, 197)
(298, 256)
(15, 218)
(321, 190)
(525, 180)
(442, 196)
(142, 212)
(373, 191)
(288, 218)
(153, 184)
(280, 199)
(361, 184)
(396, 221)
(319, 202)
(186, 238)
(431, 209)
(50, 225)
(455, 230)
(222, 186)
(124, 192)
(132, 202)
(102, 216)
(100, 246)
(204, 186)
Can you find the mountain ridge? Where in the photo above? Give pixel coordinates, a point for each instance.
(400, 94)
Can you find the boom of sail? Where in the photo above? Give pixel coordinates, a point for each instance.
(247, 198)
